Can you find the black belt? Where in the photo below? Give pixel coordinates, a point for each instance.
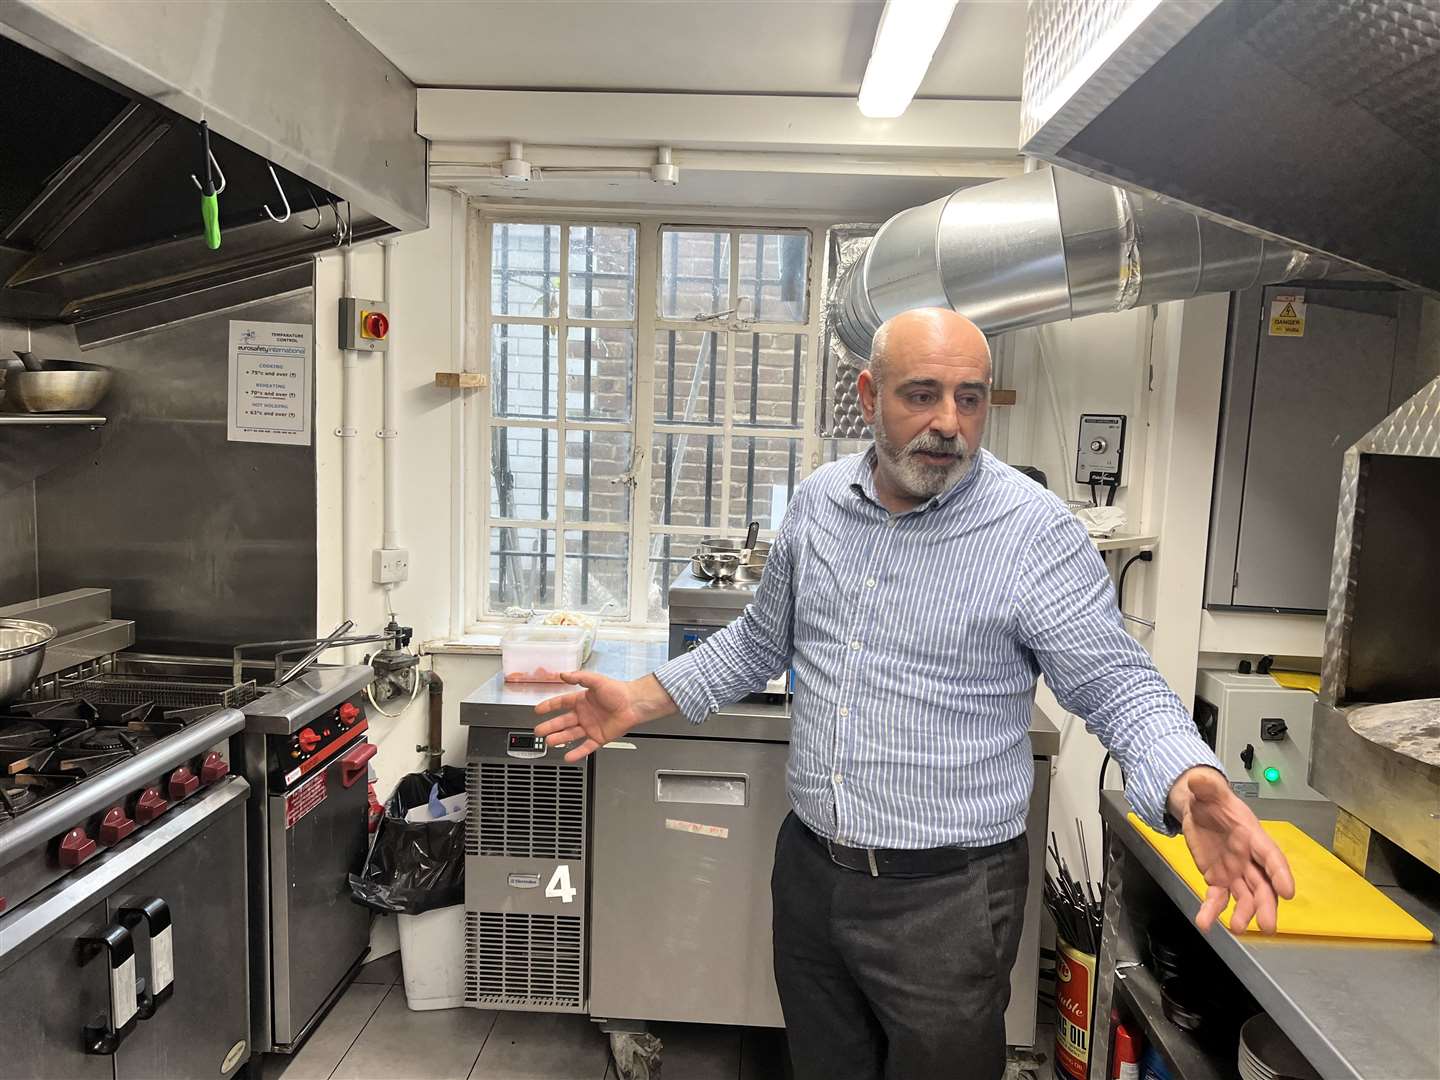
(881, 862)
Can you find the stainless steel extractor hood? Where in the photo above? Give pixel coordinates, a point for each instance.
(1311, 121)
(99, 137)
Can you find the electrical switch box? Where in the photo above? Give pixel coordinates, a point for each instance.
(364, 325)
(1100, 453)
(391, 565)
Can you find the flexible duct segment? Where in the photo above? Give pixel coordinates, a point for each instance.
(1046, 246)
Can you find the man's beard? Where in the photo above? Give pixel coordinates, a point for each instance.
(916, 477)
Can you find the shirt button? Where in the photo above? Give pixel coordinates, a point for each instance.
(892, 522)
(839, 779)
(855, 645)
(844, 712)
(870, 584)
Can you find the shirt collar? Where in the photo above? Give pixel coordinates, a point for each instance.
(862, 482)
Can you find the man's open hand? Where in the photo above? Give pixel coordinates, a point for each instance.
(602, 710)
(1235, 854)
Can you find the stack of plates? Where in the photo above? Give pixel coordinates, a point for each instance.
(1266, 1054)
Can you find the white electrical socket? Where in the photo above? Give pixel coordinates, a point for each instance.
(391, 565)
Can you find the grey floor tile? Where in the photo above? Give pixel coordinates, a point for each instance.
(398, 1044)
(385, 971)
(700, 1051)
(763, 1055)
(337, 1032)
(543, 1046)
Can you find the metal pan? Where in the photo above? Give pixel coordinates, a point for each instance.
(60, 386)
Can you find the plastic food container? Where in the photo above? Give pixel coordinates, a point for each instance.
(541, 654)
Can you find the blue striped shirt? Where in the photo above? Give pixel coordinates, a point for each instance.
(916, 641)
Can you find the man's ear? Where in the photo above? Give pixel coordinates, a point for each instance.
(867, 388)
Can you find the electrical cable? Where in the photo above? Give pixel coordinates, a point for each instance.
(1094, 498)
(1144, 556)
(1110, 498)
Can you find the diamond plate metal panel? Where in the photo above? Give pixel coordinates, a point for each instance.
(1080, 55)
(1412, 430)
(840, 416)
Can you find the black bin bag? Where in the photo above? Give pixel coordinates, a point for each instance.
(414, 866)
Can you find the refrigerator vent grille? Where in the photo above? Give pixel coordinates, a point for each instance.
(516, 960)
(526, 811)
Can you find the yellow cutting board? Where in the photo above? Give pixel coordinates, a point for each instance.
(1331, 900)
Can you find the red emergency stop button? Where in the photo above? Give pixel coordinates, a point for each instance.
(308, 740)
(374, 325)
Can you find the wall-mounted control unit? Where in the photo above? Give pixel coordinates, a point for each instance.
(364, 325)
(1100, 453)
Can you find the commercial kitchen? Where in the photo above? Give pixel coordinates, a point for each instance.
(365, 366)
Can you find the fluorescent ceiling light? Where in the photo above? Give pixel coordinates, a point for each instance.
(905, 41)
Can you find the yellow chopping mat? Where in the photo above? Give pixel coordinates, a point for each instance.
(1331, 900)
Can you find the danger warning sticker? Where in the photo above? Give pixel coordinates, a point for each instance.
(1287, 315)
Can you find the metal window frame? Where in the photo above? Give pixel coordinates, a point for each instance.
(642, 425)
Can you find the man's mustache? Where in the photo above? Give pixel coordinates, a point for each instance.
(930, 443)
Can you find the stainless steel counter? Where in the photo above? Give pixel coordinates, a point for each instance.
(1355, 1009)
(501, 704)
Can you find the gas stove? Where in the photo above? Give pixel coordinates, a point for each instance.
(77, 778)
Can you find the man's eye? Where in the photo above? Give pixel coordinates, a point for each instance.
(921, 399)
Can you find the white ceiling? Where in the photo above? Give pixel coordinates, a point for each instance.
(710, 46)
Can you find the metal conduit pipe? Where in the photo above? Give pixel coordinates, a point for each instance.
(1046, 246)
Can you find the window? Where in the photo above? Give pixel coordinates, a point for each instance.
(627, 419)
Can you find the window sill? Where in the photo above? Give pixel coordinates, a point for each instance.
(483, 639)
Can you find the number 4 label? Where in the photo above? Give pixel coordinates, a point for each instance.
(560, 884)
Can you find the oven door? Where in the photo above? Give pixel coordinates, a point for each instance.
(318, 836)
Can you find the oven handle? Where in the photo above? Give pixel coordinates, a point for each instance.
(105, 1033)
(155, 913)
(352, 762)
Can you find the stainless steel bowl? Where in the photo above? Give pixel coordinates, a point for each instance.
(22, 651)
(762, 547)
(64, 386)
(718, 565)
(752, 571)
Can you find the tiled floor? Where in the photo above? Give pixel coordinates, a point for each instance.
(372, 1035)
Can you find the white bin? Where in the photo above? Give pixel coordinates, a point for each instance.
(432, 957)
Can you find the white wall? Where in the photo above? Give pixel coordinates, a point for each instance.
(1162, 368)
(424, 340)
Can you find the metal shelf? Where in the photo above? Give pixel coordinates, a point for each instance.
(50, 420)
(1123, 542)
(1180, 1049)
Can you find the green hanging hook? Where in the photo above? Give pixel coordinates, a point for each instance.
(209, 191)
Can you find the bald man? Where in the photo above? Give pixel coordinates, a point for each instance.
(918, 590)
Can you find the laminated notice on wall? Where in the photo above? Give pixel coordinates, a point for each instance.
(1287, 315)
(271, 382)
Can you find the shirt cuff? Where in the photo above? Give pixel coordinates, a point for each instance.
(1166, 760)
(683, 681)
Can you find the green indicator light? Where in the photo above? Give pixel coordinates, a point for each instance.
(1272, 774)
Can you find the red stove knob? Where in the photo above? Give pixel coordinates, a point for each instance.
(182, 783)
(116, 826)
(349, 713)
(308, 740)
(76, 847)
(214, 767)
(150, 805)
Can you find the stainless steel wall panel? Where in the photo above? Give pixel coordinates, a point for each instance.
(204, 542)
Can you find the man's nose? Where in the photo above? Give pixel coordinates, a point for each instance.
(945, 421)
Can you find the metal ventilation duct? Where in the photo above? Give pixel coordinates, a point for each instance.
(1046, 246)
(1311, 121)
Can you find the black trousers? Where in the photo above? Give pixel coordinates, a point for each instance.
(895, 978)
